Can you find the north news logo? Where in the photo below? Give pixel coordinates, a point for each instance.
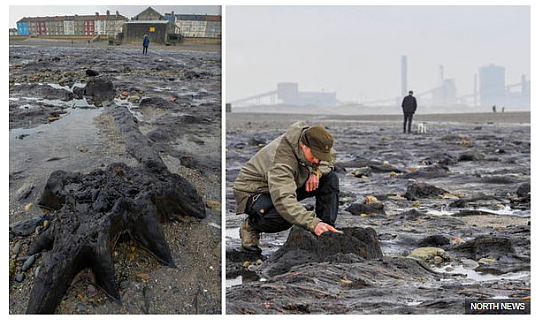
(497, 306)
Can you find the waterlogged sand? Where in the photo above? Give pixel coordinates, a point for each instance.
(234, 120)
(482, 221)
(180, 116)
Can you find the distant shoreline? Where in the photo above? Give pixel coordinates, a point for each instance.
(484, 117)
(201, 44)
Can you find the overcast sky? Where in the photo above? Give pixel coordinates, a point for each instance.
(356, 50)
(18, 12)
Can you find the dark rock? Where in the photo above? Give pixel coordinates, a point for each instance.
(430, 172)
(235, 266)
(91, 73)
(443, 303)
(381, 197)
(22, 136)
(339, 169)
(471, 156)
(78, 91)
(423, 190)
(361, 172)
(156, 102)
(100, 89)
(16, 247)
(436, 240)
(375, 166)
(465, 213)
(523, 190)
(355, 163)
(253, 141)
(241, 255)
(460, 203)
(498, 180)
(387, 236)
(28, 263)
(485, 247)
(240, 145)
(43, 92)
(362, 208)
(24, 192)
(304, 247)
(384, 167)
(410, 215)
(159, 136)
(443, 158)
(484, 200)
(19, 277)
(27, 227)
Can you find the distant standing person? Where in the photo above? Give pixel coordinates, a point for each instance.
(145, 44)
(409, 106)
(494, 109)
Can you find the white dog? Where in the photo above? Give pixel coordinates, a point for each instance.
(421, 128)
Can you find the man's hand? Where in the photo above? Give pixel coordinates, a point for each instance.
(322, 227)
(312, 183)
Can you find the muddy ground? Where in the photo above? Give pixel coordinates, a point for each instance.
(59, 118)
(451, 210)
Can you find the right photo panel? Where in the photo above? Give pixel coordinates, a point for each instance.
(377, 160)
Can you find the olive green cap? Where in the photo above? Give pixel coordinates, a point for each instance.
(320, 141)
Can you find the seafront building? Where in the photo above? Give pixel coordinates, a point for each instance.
(151, 23)
(77, 25)
(199, 26)
(160, 28)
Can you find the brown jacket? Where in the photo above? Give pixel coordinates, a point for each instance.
(280, 168)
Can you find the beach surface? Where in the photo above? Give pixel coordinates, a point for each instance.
(462, 190)
(63, 115)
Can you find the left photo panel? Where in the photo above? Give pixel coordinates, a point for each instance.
(115, 159)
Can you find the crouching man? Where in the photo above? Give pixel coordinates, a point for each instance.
(294, 166)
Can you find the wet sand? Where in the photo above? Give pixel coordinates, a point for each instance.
(480, 160)
(209, 46)
(233, 119)
(176, 97)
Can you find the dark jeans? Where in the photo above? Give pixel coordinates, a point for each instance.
(408, 116)
(264, 217)
(145, 49)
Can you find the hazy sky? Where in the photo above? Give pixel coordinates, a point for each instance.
(18, 12)
(356, 50)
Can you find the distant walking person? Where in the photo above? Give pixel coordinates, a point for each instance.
(145, 44)
(409, 106)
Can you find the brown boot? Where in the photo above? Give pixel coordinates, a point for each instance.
(250, 237)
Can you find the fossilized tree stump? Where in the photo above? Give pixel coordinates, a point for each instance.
(91, 212)
(304, 247)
